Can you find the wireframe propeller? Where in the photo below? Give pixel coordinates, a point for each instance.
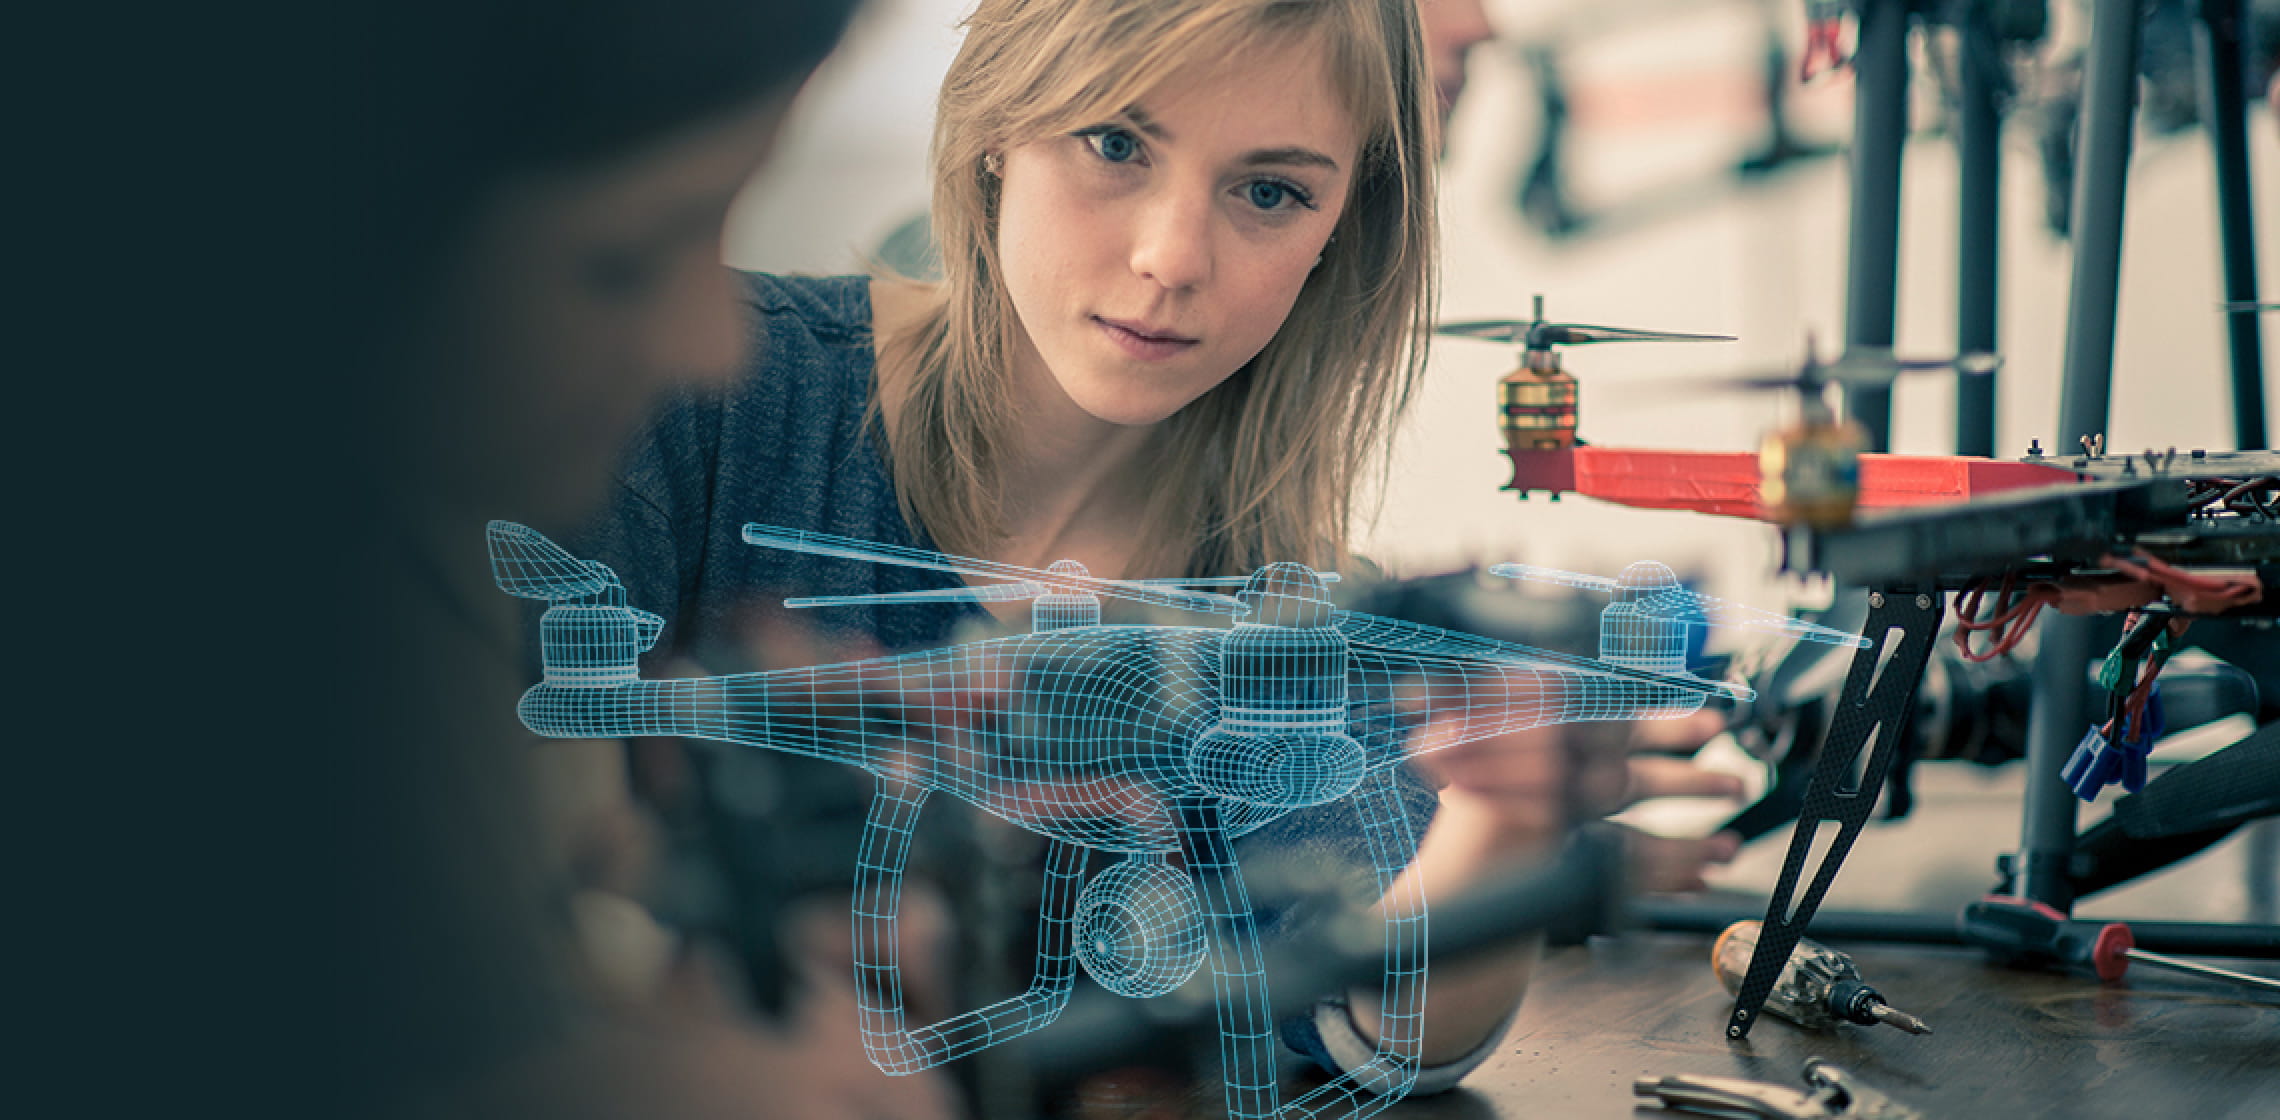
(1007, 592)
(1362, 629)
(1432, 641)
(827, 544)
(1656, 591)
(527, 564)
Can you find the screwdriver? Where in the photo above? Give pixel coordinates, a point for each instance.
(1817, 988)
(2034, 934)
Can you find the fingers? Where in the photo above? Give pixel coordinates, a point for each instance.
(1676, 777)
(1677, 736)
(1664, 865)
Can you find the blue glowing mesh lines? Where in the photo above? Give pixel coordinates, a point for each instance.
(525, 563)
(1141, 740)
(1392, 1070)
(1238, 967)
(1239, 982)
(894, 1047)
(589, 637)
(1281, 737)
(1653, 588)
(1139, 928)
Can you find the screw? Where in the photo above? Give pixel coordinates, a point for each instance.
(1876, 599)
(2200, 454)
(1923, 602)
(2034, 449)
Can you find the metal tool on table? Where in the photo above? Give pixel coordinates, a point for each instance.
(1819, 987)
(1834, 1095)
(2024, 932)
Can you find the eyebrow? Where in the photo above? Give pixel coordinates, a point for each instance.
(1289, 156)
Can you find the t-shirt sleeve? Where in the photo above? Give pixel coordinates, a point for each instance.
(652, 531)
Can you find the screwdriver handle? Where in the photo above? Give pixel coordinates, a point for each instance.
(1817, 987)
(2031, 933)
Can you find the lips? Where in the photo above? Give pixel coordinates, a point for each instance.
(1142, 340)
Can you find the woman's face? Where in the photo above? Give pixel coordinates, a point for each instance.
(1151, 255)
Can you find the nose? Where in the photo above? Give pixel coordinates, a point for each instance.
(698, 333)
(1172, 245)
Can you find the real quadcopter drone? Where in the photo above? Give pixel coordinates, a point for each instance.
(1157, 743)
(2049, 525)
(1815, 472)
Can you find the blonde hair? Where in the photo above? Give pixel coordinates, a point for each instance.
(1265, 466)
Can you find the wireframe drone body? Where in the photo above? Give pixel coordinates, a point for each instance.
(1148, 742)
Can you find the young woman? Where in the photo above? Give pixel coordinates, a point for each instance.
(1188, 258)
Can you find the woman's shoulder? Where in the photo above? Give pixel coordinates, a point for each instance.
(806, 378)
(822, 305)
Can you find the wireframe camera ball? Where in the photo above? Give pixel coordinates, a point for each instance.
(1139, 928)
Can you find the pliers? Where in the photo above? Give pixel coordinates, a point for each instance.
(1834, 1096)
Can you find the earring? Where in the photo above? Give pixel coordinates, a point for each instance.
(992, 164)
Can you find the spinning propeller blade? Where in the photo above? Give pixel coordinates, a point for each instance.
(1432, 641)
(1537, 334)
(525, 563)
(826, 544)
(1562, 334)
(1678, 602)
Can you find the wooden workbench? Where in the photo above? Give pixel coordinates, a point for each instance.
(2006, 1044)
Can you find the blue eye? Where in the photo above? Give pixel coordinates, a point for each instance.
(1113, 144)
(1270, 194)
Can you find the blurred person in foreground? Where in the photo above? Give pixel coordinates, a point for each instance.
(544, 256)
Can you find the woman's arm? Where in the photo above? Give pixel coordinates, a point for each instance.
(1508, 802)
(1501, 807)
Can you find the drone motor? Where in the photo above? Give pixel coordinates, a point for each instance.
(1280, 740)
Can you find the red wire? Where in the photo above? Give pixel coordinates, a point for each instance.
(2010, 624)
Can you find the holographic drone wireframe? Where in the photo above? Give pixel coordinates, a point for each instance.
(1147, 741)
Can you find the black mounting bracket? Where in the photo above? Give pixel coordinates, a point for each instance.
(1872, 719)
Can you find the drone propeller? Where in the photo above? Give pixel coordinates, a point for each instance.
(1537, 334)
(994, 593)
(1432, 641)
(1005, 592)
(527, 564)
(826, 544)
(1212, 581)
(1673, 600)
(2250, 306)
(1859, 367)
(1554, 575)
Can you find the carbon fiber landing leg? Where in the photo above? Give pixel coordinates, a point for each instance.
(1865, 735)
